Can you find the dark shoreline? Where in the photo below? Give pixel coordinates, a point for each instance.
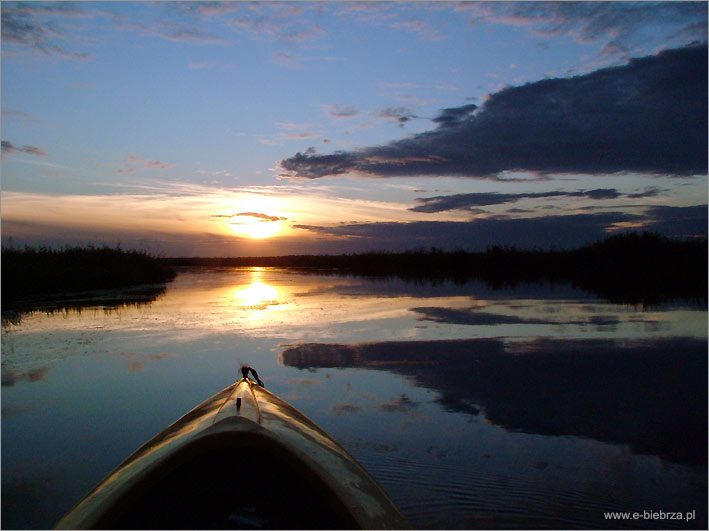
(49, 275)
(633, 268)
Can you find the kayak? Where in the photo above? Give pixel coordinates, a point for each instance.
(242, 459)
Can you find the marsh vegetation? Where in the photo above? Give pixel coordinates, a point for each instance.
(44, 272)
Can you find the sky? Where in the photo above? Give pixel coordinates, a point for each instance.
(260, 128)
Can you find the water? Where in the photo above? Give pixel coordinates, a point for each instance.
(540, 406)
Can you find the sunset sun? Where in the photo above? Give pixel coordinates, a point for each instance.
(256, 225)
(256, 229)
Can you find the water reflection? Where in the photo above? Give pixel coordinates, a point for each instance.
(258, 296)
(74, 303)
(651, 395)
(11, 377)
(539, 406)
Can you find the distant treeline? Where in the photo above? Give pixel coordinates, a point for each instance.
(43, 271)
(637, 268)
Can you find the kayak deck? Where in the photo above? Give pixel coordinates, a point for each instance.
(242, 459)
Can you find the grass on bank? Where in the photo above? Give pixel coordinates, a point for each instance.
(45, 271)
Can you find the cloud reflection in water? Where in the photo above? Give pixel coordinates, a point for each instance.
(651, 395)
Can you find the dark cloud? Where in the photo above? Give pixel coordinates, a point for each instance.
(454, 115)
(9, 147)
(442, 203)
(648, 192)
(678, 221)
(648, 116)
(544, 232)
(312, 166)
(601, 193)
(560, 231)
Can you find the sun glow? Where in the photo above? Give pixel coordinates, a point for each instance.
(256, 229)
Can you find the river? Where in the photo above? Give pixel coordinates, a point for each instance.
(525, 407)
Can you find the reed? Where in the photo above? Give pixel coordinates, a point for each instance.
(44, 271)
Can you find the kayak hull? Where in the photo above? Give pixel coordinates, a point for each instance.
(242, 459)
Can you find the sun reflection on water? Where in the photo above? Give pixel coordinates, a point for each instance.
(257, 295)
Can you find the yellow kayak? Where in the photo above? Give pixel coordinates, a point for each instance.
(242, 459)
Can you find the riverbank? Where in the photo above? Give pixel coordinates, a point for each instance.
(45, 272)
(633, 268)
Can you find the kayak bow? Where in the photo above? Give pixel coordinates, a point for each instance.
(242, 459)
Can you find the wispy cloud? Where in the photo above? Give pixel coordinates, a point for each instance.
(8, 147)
(11, 114)
(179, 32)
(40, 28)
(256, 215)
(290, 131)
(134, 163)
(215, 173)
(284, 22)
(648, 116)
(299, 136)
(210, 9)
(400, 115)
(422, 29)
(280, 30)
(338, 111)
(287, 60)
(621, 26)
(211, 65)
(409, 18)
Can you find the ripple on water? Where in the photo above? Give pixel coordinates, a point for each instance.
(429, 490)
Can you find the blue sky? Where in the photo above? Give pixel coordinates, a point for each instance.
(202, 128)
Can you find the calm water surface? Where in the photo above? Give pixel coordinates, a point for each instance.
(540, 406)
